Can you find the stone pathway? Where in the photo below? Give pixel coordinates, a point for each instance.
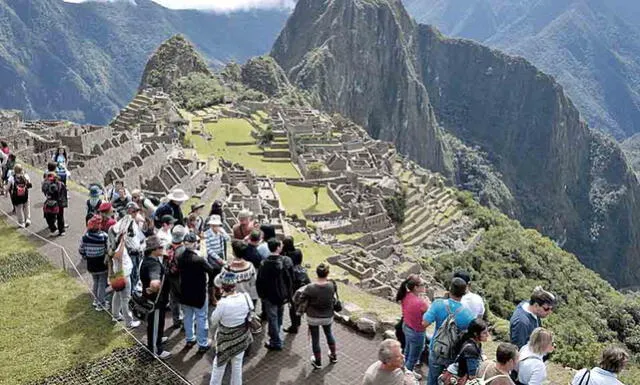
(290, 366)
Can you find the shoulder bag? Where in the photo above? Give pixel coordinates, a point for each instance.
(337, 304)
(141, 306)
(253, 322)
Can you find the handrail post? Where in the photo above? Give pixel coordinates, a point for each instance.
(64, 263)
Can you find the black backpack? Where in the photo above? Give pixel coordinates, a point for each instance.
(92, 210)
(300, 277)
(20, 189)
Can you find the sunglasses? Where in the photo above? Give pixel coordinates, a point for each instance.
(547, 308)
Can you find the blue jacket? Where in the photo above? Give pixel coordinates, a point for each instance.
(521, 326)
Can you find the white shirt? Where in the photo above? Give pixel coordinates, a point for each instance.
(474, 303)
(598, 377)
(232, 310)
(531, 369)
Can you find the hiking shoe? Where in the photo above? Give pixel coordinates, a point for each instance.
(315, 364)
(62, 234)
(272, 348)
(164, 339)
(27, 223)
(134, 324)
(164, 355)
(333, 358)
(190, 344)
(21, 225)
(117, 319)
(204, 349)
(66, 225)
(53, 234)
(291, 330)
(99, 308)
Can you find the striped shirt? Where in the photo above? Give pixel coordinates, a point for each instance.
(215, 243)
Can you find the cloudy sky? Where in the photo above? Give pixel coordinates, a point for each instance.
(219, 5)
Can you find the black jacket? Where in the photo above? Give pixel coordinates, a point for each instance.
(193, 278)
(275, 279)
(171, 209)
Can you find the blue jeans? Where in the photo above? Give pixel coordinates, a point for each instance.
(435, 370)
(136, 260)
(202, 325)
(274, 316)
(413, 346)
(315, 341)
(99, 287)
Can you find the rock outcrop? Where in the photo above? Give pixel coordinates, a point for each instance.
(174, 59)
(371, 62)
(265, 75)
(631, 148)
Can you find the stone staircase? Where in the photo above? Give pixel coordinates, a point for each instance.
(432, 208)
(128, 116)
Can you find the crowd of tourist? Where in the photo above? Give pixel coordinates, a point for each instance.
(146, 258)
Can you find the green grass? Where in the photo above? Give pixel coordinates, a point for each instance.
(48, 325)
(348, 237)
(12, 241)
(301, 201)
(239, 130)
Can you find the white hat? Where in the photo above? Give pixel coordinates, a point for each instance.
(245, 214)
(215, 220)
(178, 195)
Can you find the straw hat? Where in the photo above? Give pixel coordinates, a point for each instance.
(178, 195)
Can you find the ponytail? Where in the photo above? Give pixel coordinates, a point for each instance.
(408, 285)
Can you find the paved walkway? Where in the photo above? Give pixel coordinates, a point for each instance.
(290, 366)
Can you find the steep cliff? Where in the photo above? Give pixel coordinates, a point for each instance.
(265, 75)
(368, 60)
(174, 59)
(631, 149)
(356, 58)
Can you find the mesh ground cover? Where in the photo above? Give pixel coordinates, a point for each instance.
(132, 366)
(17, 265)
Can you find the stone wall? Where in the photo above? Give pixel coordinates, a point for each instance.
(85, 138)
(95, 170)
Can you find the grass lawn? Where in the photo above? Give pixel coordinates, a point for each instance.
(301, 201)
(47, 323)
(348, 237)
(250, 156)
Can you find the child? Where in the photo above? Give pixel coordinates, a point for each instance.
(93, 248)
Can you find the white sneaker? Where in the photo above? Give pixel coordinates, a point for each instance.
(99, 308)
(164, 339)
(53, 234)
(28, 223)
(134, 324)
(21, 225)
(164, 355)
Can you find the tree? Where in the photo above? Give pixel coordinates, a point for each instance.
(316, 191)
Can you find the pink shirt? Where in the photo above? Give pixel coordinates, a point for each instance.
(413, 307)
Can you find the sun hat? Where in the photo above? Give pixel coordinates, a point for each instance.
(105, 207)
(178, 195)
(167, 218)
(229, 279)
(215, 220)
(178, 233)
(244, 214)
(94, 191)
(197, 206)
(153, 242)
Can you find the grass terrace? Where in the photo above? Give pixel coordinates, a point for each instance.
(245, 152)
(301, 201)
(47, 322)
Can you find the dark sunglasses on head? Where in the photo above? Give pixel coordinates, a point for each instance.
(547, 308)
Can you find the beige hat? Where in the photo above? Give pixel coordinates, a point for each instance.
(215, 220)
(244, 214)
(178, 195)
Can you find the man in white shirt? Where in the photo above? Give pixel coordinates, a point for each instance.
(389, 369)
(471, 301)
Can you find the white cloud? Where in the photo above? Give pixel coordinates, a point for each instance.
(216, 5)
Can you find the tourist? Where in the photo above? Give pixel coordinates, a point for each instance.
(134, 240)
(268, 232)
(411, 296)
(528, 315)
(320, 298)
(193, 270)
(63, 173)
(438, 312)
(614, 360)
(233, 337)
(300, 279)
(60, 156)
(7, 168)
(471, 301)
(18, 186)
(388, 370)
(274, 285)
(106, 213)
(120, 265)
(93, 249)
(245, 272)
(120, 202)
(54, 204)
(146, 204)
(93, 203)
(288, 246)
(468, 354)
(172, 207)
(152, 277)
(113, 192)
(4, 147)
(51, 168)
(251, 252)
(216, 241)
(216, 209)
(197, 221)
(245, 225)
(531, 367)
(3, 160)
(172, 270)
(500, 369)
(164, 233)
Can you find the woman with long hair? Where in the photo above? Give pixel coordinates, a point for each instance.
(61, 155)
(531, 367)
(411, 296)
(469, 354)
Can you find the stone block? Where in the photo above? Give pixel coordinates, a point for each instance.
(366, 325)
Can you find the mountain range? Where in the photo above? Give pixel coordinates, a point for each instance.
(443, 101)
(83, 62)
(591, 47)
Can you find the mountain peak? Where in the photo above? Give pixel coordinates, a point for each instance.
(175, 57)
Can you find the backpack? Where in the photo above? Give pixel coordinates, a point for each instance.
(586, 375)
(92, 210)
(446, 337)
(20, 187)
(172, 259)
(300, 277)
(483, 381)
